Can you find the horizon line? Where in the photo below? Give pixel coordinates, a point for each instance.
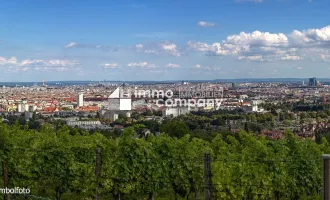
(176, 80)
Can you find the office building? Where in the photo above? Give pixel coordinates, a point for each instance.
(175, 111)
(80, 100)
(19, 108)
(313, 82)
(79, 123)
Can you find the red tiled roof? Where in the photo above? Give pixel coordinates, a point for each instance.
(51, 109)
(88, 108)
(69, 99)
(275, 134)
(118, 126)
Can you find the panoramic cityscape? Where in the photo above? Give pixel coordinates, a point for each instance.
(96, 106)
(165, 100)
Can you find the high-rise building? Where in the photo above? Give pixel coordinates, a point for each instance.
(313, 82)
(80, 100)
(19, 108)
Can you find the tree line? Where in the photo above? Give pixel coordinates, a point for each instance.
(59, 163)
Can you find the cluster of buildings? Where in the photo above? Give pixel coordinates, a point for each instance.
(247, 96)
(109, 101)
(305, 131)
(313, 82)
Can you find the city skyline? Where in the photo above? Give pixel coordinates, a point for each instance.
(164, 40)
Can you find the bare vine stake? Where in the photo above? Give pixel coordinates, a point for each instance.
(5, 179)
(326, 177)
(207, 177)
(98, 171)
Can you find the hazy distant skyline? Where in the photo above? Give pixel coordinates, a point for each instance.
(164, 39)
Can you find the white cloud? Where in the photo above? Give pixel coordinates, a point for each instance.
(139, 46)
(247, 45)
(258, 38)
(254, 46)
(60, 63)
(71, 44)
(31, 62)
(312, 36)
(235, 49)
(211, 68)
(13, 65)
(3, 60)
(146, 49)
(199, 46)
(198, 66)
(325, 57)
(299, 68)
(170, 48)
(141, 65)
(45, 69)
(252, 58)
(205, 24)
(153, 51)
(291, 57)
(110, 65)
(56, 63)
(165, 47)
(214, 49)
(171, 65)
(12, 60)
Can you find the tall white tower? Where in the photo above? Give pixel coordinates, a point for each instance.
(19, 108)
(80, 100)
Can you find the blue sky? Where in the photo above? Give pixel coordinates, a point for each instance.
(163, 39)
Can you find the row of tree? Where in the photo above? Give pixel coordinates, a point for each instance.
(60, 164)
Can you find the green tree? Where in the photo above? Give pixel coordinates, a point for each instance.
(175, 129)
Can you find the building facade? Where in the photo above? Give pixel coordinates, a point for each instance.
(79, 123)
(80, 100)
(175, 111)
(313, 82)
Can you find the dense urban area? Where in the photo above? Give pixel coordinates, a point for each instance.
(125, 141)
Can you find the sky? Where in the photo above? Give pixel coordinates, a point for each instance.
(129, 40)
